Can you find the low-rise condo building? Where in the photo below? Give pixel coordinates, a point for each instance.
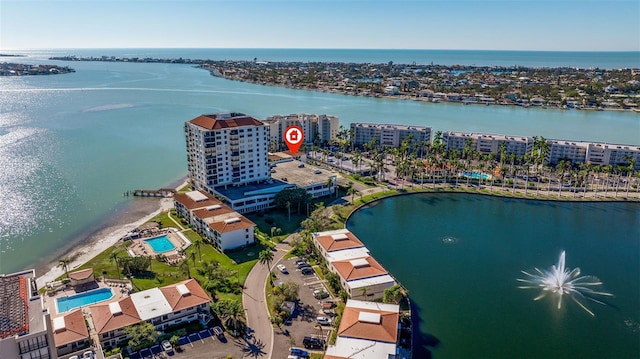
(361, 276)
(178, 303)
(25, 323)
(389, 135)
(225, 228)
(368, 330)
(488, 143)
(70, 332)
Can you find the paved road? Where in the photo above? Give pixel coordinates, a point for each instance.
(254, 302)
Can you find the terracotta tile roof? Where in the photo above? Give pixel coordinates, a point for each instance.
(190, 204)
(231, 222)
(204, 213)
(359, 268)
(353, 327)
(81, 274)
(330, 243)
(14, 311)
(211, 122)
(104, 321)
(74, 329)
(195, 296)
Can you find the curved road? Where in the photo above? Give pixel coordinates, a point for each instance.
(255, 305)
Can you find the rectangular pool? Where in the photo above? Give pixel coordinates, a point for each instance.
(160, 244)
(83, 299)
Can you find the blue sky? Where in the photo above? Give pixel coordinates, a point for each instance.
(571, 25)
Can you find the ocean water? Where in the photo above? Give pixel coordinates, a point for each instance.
(71, 145)
(459, 256)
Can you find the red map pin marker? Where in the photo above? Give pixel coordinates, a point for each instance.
(293, 137)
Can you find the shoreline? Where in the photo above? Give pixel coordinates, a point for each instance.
(114, 228)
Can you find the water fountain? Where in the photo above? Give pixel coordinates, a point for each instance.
(560, 281)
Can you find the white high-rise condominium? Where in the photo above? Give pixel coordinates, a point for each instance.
(226, 149)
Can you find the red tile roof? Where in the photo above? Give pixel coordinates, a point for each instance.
(196, 295)
(14, 310)
(190, 204)
(211, 122)
(224, 227)
(104, 321)
(385, 331)
(81, 274)
(348, 271)
(330, 244)
(74, 330)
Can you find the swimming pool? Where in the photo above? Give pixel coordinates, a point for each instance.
(476, 175)
(80, 300)
(160, 244)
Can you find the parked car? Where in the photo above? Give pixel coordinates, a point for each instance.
(313, 343)
(166, 346)
(282, 268)
(303, 264)
(323, 321)
(306, 271)
(74, 357)
(317, 172)
(218, 332)
(88, 354)
(298, 353)
(320, 294)
(300, 261)
(301, 165)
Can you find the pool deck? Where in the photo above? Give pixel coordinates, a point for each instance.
(140, 248)
(119, 288)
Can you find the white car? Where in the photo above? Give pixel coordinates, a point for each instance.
(87, 355)
(282, 268)
(166, 346)
(323, 321)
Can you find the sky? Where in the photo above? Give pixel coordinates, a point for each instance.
(554, 25)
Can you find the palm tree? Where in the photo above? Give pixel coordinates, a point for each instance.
(192, 255)
(352, 191)
(113, 257)
(266, 257)
(198, 242)
(184, 267)
(64, 263)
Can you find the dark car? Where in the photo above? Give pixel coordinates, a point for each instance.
(218, 332)
(313, 343)
(306, 271)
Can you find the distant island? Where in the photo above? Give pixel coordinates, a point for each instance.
(12, 69)
(11, 55)
(558, 87)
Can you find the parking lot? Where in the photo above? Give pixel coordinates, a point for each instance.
(205, 345)
(303, 321)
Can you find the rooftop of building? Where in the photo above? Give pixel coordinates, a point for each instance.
(337, 240)
(196, 199)
(220, 121)
(352, 348)
(300, 174)
(389, 126)
(21, 310)
(235, 193)
(370, 320)
(81, 274)
(359, 268)
(69, 328)
(345, 254)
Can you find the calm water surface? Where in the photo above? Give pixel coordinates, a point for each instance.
(459, 256)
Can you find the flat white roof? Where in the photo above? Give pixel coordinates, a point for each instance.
(361, 349)
(213, 207)
(58, 324)
(339, 236)
(183, 290)
(367, 282)
(150, 303)
(347, 254)
(197, 196)
(232, 220)
(361, 304)
(115, 308)
(331, 233)
(369, 317)
(360, 262)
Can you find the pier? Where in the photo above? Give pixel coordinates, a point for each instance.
(162, 192)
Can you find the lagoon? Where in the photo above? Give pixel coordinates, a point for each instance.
(466, 251)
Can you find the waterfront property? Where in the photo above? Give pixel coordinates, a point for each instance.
(70, 332)
(167, 242)
(317, 128)
(361, 276)
(389, 135)
(25, 329)
(182, 302)
(67, 303)
(368, 330)
(487, 143)
(160, 244)
(223, 227)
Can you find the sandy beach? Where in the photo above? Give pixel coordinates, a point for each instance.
(138, 212)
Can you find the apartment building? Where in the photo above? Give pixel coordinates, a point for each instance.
(488, 143)
(360, 274)
(317, 128)
(178, 303)
(218, 223)
(70, 332)
(226, 149)
(388, 135)
(368, 330)
(25, 323)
